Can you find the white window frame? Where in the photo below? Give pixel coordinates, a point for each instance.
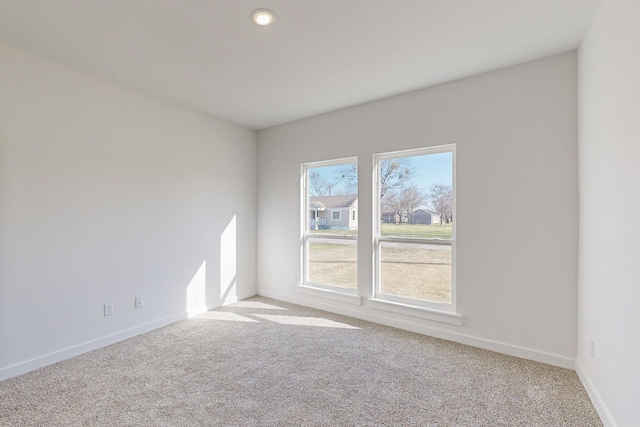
(339, 216)
(395, 302)
(305, 285)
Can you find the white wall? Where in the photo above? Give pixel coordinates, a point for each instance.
(515, 131)
(105, 194)
(609, 155)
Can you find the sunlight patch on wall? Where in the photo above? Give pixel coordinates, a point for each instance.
(228, 261)
(304, 321)
(197, 292)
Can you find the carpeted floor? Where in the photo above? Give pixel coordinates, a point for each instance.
(262, 362)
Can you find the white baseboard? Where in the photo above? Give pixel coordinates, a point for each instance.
(551, 359)
(194, 311)
(76, 350)
(597, 401)
(418, 326)
(226, 301)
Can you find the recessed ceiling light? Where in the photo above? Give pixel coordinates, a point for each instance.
(262, 16)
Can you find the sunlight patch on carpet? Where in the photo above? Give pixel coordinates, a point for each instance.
(256, 305)
(305, 321)
(226, 316)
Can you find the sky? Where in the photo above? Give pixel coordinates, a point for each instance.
(429, 169)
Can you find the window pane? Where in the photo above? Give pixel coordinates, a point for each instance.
(333, 262)
(416, 196)
(333, 199)
(419, 271)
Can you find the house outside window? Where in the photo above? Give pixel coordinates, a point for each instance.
(414, 227)
(330, 237)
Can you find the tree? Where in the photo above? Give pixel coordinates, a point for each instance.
(394, 174)
(392, 206)
(348, 174)
(441, 199)
(401, 203)
(412, 198)
(319, 186)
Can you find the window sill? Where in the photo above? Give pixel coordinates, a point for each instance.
(449, 317)
(332, 294)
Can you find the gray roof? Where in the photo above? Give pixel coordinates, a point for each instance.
(323, 202)
(426, 211)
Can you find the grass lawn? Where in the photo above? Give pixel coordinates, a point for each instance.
(333, 264)
(341, 232)
(416, 273)
(434, 231)
(411, 272)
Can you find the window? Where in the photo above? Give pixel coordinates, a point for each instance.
(330, 239)
(414, 227)
(353, 213)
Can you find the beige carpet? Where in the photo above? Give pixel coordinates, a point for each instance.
(262, 362)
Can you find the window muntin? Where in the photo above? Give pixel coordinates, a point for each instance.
(329, 236)
(414, 232)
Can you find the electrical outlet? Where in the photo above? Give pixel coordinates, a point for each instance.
(294, 279)
(592, 349)
(139, 301)
(108, 309)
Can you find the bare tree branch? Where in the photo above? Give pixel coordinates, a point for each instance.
(318, 186)
(441, 199)
(412, 198)
(394, 174)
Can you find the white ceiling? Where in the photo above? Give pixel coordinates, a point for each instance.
(318, 56)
